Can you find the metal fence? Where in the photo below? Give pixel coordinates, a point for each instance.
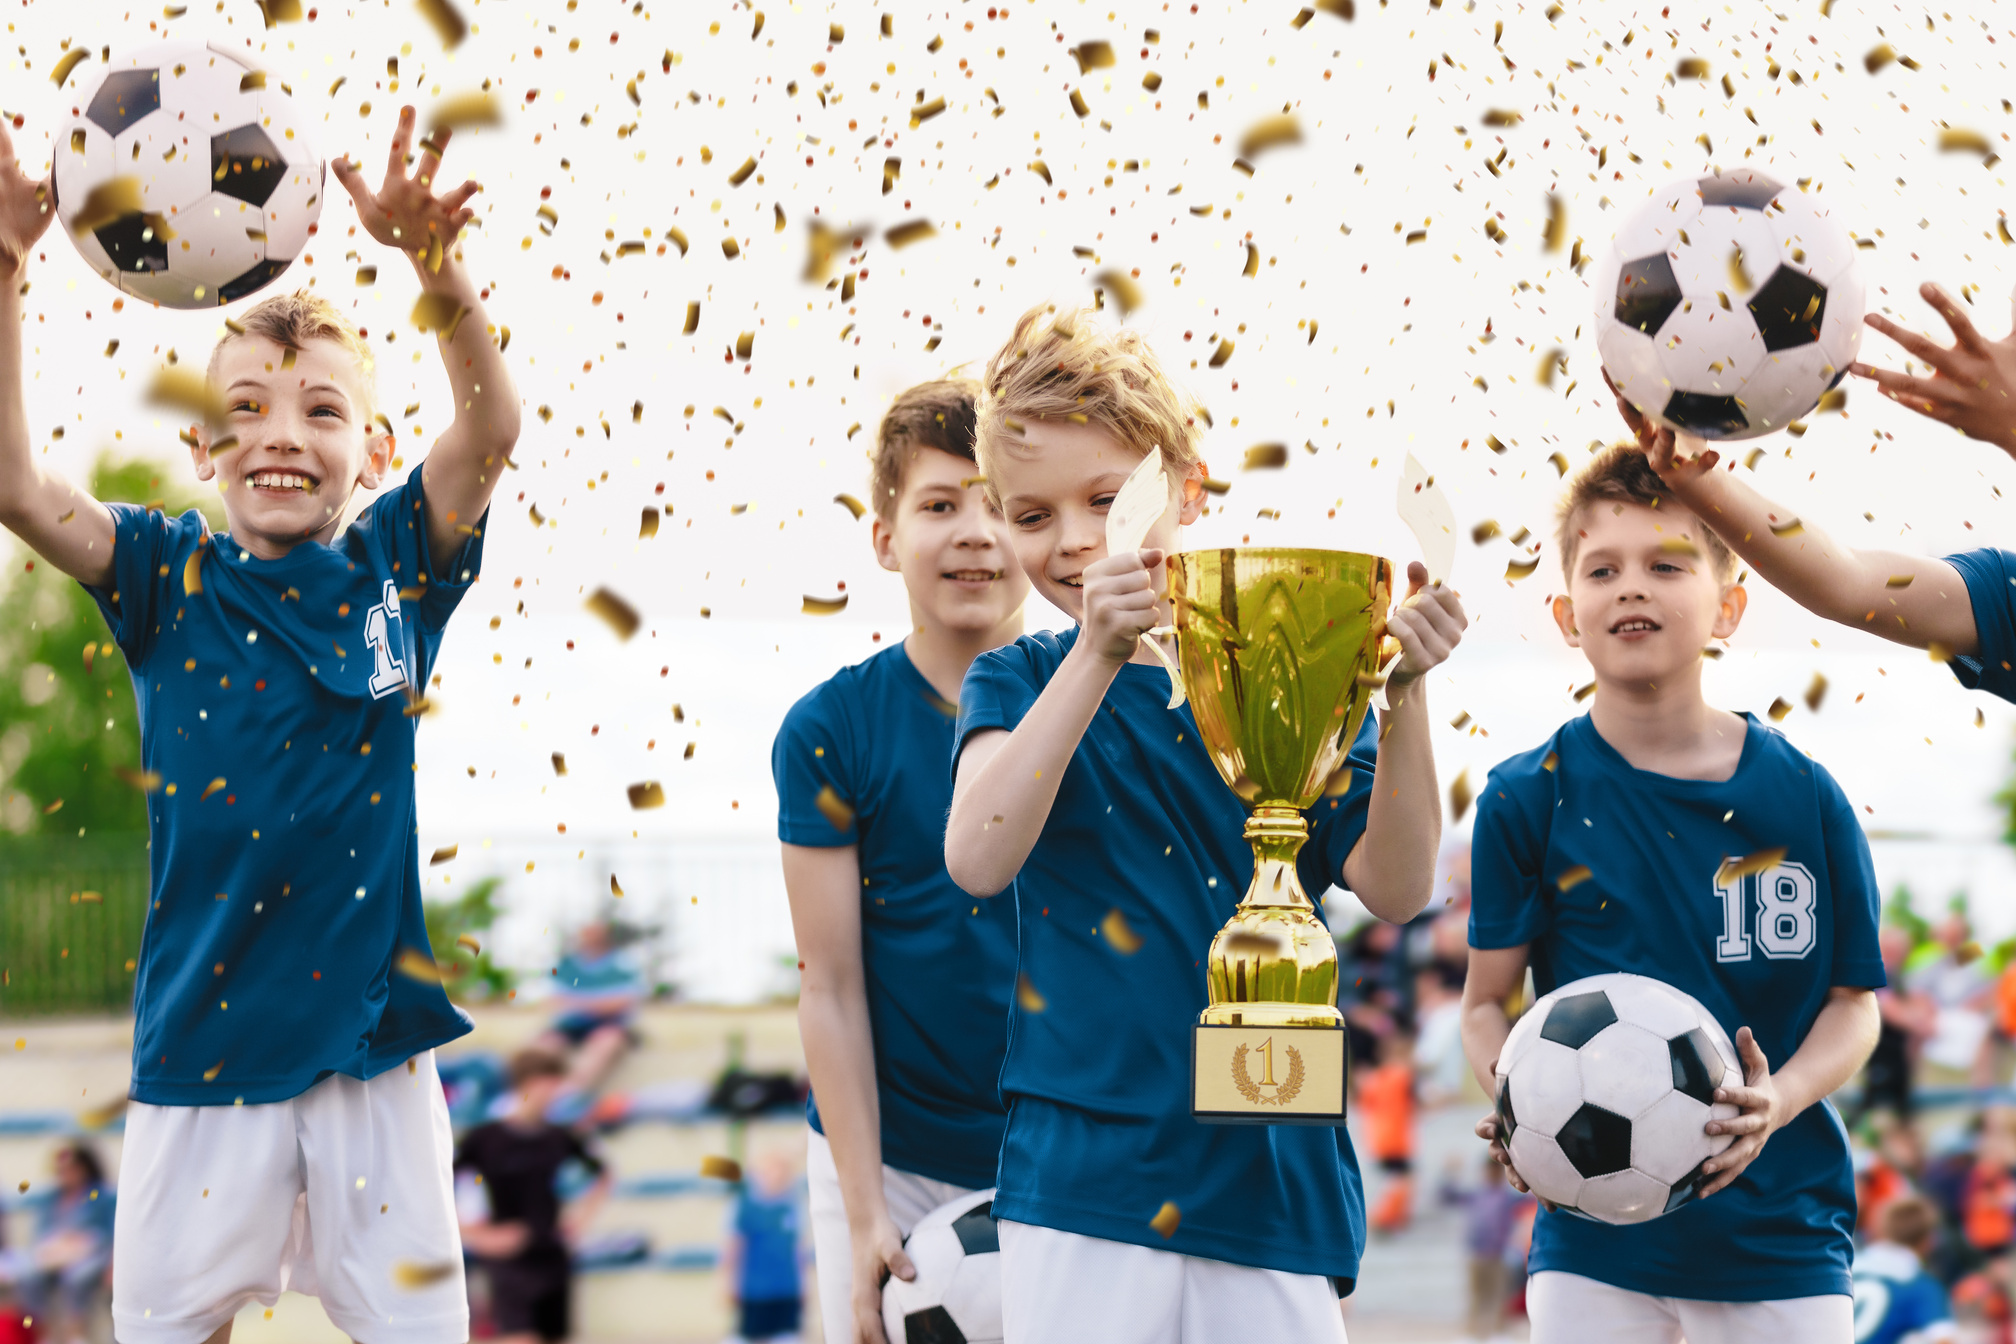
(70, 920)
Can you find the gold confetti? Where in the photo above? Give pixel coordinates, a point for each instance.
(721, 1168)
(692, 318)
(449, 25)
(1750, 864)
(210, 1075)
(1691, 67)
(1459, 795)
(923, 112)
(1584, 692)
(1120, 933)
(411, 1274)
(916, 231)
(1126, 294)
(1027, 997)
(615, 887)
(647, 525)
(1899, 581)
(214, 786)
(1252, 267)
(824, 606)
(1078, 104)
(619, 615)
(464, 110)
(467, 942)
(742, 174)
(67, 63)
(730, 248)
(1788, 529)
(438, 313)
(1556, 235)
(1572, 876)
(1968, 951)
(1269, 133)
(837, 813)
(417, 965)
(1484, 531)
(1041, 169)
(1166, 1220)
(1500, 117)
(1092, 56)
(646, 795)
(1938, 652)
(854, 506)
(443, 855)
(1957, 139)
(1878, 56)
(1221, 355)
(147, 781)
(1264, 455)
(1780, 707)
(1816, 691)
(1738, 277)
(1558, 462)
(106, 202)
(559, 764)
(1521, 569)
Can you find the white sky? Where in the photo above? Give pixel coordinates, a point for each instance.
(1382, 154)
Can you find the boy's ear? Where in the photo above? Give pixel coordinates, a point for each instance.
(1192, 491)
(883, 538)
(378, 446)
(1564, 617)
(199, 454)
(1729, 615)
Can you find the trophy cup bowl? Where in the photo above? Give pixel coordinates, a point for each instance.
(1280, 651)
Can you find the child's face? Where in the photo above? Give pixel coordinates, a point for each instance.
(1056, 483)
(1643, 599)
(303, 441)
(951, 546)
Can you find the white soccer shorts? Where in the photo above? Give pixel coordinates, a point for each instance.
(1571, 1309)
(343, 1193)
(1063, 1288)
(909, 1197)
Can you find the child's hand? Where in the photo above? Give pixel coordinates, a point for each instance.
(1678, 460)
(404, 212)
(1487, 1130)
(877, 1257)
(1119, 603)
(26, 209)
(1429, 625)
(1761, 1108)
(1973, 382)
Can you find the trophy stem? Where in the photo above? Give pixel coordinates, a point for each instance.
(1277, 835)
(1274, 960)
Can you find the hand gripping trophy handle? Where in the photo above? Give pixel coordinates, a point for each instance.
(1280, 651)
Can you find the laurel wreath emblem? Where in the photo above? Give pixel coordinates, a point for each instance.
(1284, 1091)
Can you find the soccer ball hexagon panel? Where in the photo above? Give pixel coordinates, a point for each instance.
(1728, 305)
(182, 178)
(1606, 1101)
(956, 1296)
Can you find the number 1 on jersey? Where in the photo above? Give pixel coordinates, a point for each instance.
(388, 671)
(1786, 920)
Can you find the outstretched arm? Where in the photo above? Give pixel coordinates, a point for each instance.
(1973, 382)
(405, 212)
(61, 523)
(1913, 600)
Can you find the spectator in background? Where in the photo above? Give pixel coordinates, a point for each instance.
(1908, 1017)
(1960, 991)
(1888, 1166)
(1386, 1100)
(1492, 1211)
(1896, 1301)
(524, 1237)
(1440, 1067)
(760, 1261)
(60, 1279)
(599, 986)
(1371, 988)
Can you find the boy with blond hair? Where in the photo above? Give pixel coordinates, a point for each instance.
(1123, 1219)
(904, 1004)
(1651, 801)
(274, 1142)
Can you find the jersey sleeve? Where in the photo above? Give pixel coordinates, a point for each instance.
(811, 763)
(1508, 847)
(149, 552)
(1851, 875)
(1000, 689)
(1337, 822)
(395, 526)
(1991, 589)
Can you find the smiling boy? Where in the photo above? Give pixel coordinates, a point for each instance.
(904, 1002)
(1122, 1218)
(1648, 800)
(274, 1142)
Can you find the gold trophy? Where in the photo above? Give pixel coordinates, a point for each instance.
(1280, 654)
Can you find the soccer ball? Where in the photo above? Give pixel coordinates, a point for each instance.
(956, 1296)
(1728, 305)
(1604, 1087)
(184, 177)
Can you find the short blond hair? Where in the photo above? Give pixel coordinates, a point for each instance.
(930, 415)
(1061, 363)
(293, 320)
(1620, 474)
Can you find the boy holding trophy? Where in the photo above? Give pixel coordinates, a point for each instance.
(1076, 783)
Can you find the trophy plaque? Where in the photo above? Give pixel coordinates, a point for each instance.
(1280, 656)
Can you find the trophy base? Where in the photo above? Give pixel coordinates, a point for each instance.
(1269, 1064)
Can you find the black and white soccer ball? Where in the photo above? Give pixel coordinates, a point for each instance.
(956, 1296)
(1605, 1086)
(227, 182)
(1729, 304)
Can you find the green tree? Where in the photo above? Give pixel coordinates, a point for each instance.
(469, 976)
(69, 734)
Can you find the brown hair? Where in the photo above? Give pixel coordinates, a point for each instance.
(930, 415)
(293, 320)
(1063, 363)
(536, 1061)
(1908, 1220)
(1621, 475)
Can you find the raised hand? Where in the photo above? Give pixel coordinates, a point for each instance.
(1119, 602)
(1973, 382)
(1429, 625)
(405, 212)
(1675, 460)
(26, 209)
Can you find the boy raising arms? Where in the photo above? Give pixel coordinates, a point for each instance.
(904, 1007)
(1078, 787)
(274, 1142)
(1963, 607)
(1655, 795)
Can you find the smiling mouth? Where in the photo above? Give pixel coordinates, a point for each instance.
(281, 480)
(971, 575)
(1075, 581)
(1632, 625)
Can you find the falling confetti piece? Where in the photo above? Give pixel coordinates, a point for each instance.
(742, 174)
(1521, 569)
(1583, 693)
(923, 112)
(559, 764)
(1459, 795)
(615, 887)
(837, 813)
(410, 1274)
(1127, 295)
(1969, 951)
(619, 615)
(214, 786)
(1878, 56)
(1502, 117)
(210, 1074)
(854, 506)
(147, 781)
(1780, 707)
(1556, 236)
(1041, 169)
(1166, 1220)
(1938, 652)
(463, 111)
(1572, 876)
(1816, 691)
(646, 795)
(1750, 865)
(823, 606)
(67, 63)
(449, 24)
(1484, 531)
(1957, 139)
(1269, 133)
(1120, 933)
(647, 524)
(916, 231)
(438, 313)
(443, 855)
(1738, 276)
(1093, 56)
(467, 942)
(721, 1168)
(692, 318)
(417, 965)
(1559, 462)
(1265, 455)
(1691, 67)
(1790, 529)
(1026, 996)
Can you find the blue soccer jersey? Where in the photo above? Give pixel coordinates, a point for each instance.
(1991, 588)
(860, 761)
(1760, 951)
(286, 868)
(1896, 1301)
(1097, 1078)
